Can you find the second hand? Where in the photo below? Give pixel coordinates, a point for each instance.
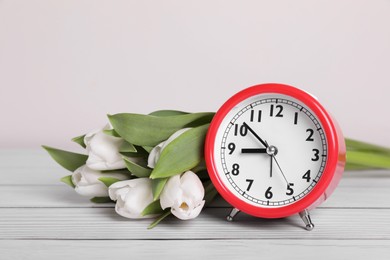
(288, 184)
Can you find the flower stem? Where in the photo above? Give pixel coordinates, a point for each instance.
(160, 218)
(370, 160)
(363, 146)
(366, 156)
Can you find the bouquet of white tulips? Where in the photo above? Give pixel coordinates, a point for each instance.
(152, 165)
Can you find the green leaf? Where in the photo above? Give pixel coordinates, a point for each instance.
(152, 208)
(157, 187)
(148, 148)
(368, 159)
(182, 154)
(141, 152)
(137, 169)
(111, 132)
(166, 213)
(127, 147)
(168, 113)
(79, 140)
(108, 181)
(68, 160)
(200, 167)
(147, 130)
(101, 200)
(68, 180)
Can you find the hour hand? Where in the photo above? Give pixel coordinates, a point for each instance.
(253, 150)
(256, 135)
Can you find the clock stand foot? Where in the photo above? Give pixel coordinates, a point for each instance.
(232, 214)
(305, 216)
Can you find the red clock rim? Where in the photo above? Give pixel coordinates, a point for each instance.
(329, 170)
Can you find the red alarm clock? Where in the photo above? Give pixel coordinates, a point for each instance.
(272, 151)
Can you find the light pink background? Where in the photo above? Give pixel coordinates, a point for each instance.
(65, 64)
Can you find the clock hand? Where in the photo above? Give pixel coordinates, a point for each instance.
(288, 184)
(253, 150)
(270, 151)
(254, 133)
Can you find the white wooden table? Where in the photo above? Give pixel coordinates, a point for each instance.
(41, 218)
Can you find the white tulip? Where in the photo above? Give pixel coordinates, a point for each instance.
(184, 195)
(88, 184)
(132, 197)
(154, 155)
(103, 150)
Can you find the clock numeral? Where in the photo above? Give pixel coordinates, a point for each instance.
(268, 193)
(290, 190)
(235, 170)
(296, 118)
(231, 147)
(242, 130)
(311, 132)
(279, 113)
(306, 176)
(253, 115)
(316, 155)
(249, 184)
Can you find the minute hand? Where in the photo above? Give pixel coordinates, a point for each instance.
(254, 133)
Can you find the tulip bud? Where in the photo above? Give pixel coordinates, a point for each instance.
(103, 150)
(132, 197)
(87, 183)
(184, 195)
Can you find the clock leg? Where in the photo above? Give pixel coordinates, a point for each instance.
(232, 214)
(305, 216)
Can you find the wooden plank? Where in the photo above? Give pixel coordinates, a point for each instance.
(44, 196)
(194, 249)
(63, 196)
(24, 166)
(104, 223)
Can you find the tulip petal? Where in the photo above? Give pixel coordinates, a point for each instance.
(94, 190)
(192, 186)
(188, 214)
(154, 155)
(171, 192)
(103, 150)
(184, 195)
(132, 196)
(87, 181)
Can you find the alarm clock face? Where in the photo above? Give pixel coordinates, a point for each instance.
(286, 166)
(269, 151)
